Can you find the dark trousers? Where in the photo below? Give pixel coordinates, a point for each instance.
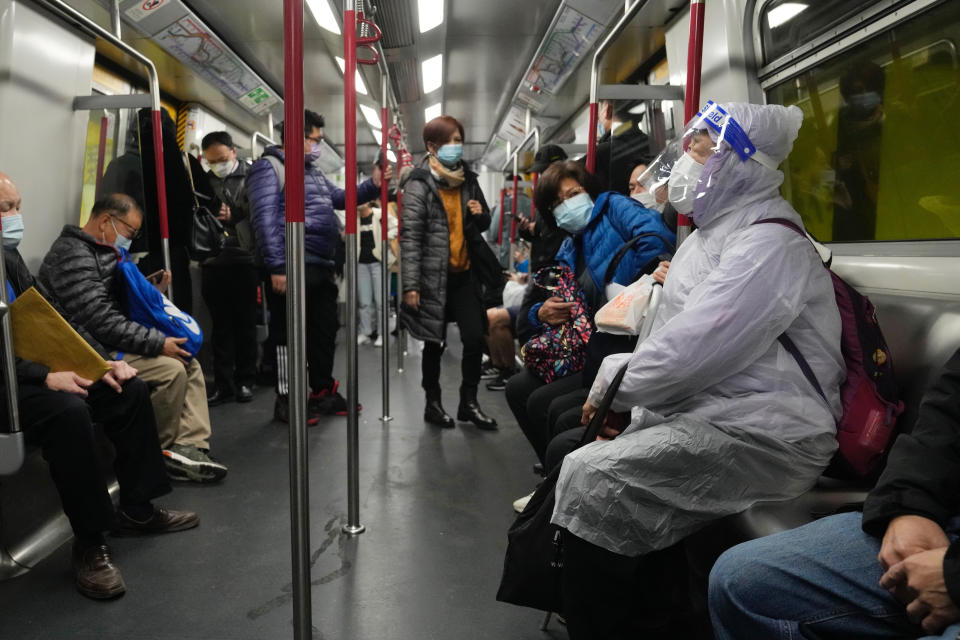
(62, 425)
(321, 325)
(536, 405)
(230, 292)
(607, 596)
(465, 308)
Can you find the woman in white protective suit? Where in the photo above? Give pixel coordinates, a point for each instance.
(722, 415)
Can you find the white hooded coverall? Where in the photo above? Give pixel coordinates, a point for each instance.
(722, 414)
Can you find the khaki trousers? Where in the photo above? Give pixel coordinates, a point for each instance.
(179, 397)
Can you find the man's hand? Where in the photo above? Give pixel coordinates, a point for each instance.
(660, 275)
(224, 214)
(164, 282)
(907, 535)
(474, 207)
(171, 349)
(378, 175)
(279, 283)
(555, 311)
(918, 582)
(613, 425)
(412, 300)
(68, 382)
(119, 373)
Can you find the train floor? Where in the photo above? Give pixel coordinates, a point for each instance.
(436, 505)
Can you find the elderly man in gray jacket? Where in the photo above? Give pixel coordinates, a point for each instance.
(79, 271)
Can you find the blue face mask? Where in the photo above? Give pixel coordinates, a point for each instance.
(573, 213)
(450, 154)
(865, 103)
(122, 242)
(12, 231)
(601, 131)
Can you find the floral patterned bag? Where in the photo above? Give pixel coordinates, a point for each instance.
(558, 351)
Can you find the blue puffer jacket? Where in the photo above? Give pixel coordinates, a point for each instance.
(267, 211)
(615, 220)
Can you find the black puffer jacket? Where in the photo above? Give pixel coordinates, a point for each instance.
(231, 190)
(922, 476)
(79, 273)
(425, 247)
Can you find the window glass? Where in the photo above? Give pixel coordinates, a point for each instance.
(787, 24)
(877, 156)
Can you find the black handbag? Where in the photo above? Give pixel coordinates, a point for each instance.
(208, 236)
(534, 560)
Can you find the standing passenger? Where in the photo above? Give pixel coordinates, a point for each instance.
(230, 279)
(444, 213)
(371, 254)
(265, 187)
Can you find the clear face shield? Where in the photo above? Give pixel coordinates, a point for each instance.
(698, 147)
(655, 177)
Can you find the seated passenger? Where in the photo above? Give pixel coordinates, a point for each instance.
(57, 410)
(891, 572)
(564, 193)
(722, 417)
(80, 272)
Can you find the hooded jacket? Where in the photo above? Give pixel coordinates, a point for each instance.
(425, 247)
(733, 288)
(268, 212)
(79, 273)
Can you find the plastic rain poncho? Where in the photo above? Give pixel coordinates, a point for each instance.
(723, 416)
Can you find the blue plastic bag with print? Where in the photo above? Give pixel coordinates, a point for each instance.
(147, 306)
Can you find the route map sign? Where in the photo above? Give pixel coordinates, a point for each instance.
(573, 35)
(181, 34)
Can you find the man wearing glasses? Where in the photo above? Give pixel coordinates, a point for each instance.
(80, 271)
(265, 189)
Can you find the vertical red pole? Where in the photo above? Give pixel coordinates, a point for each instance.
(502, 213)
(161, 186)
(691, 98)
(101, 152)
(350, 118)
(533, 207)
(592, 137)
(513, 212)
(384, 187)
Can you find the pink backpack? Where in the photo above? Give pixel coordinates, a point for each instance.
(869, 395)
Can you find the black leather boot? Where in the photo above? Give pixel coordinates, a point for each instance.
(469, 411)
(435, 415)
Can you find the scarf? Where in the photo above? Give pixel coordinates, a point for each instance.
(450, 179)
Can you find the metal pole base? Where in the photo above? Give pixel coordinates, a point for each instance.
(353, 530)
(386, 418)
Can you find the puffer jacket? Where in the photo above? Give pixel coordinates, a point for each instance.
(425, 247)
(615, 220)
(268, 212)
(78, 272)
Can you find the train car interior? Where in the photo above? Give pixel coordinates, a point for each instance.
(369, 518)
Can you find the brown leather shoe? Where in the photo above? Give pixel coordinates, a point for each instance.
(162, 521)
(95, 574)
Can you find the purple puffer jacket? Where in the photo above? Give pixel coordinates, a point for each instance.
(267, 211)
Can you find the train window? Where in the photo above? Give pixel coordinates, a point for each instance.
(787, 24)
(877, 154)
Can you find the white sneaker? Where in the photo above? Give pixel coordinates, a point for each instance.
(363, 339)
(379, 341)
(521, 503)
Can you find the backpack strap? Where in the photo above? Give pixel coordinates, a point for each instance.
(627, 246)
(599, 418)
(783, 222)
(783, 338)
(278, 168)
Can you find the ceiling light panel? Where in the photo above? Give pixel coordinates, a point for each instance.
(433, 111)
(361, 87)
(430, 13)
(324, 15)
(432, 69)
(371, 115)
(784, 13)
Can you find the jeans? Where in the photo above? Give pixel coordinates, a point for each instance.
(369, 296)
(819, 581)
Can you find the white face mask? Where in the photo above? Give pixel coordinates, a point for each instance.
(223, 169)
(683, 182)
(648, 200)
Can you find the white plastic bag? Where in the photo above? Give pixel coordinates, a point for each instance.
(624, 314)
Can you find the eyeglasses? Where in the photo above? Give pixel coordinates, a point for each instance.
(316, 140)
(569, 193)
(134, 232)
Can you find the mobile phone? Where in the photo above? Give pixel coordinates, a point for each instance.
(155, 277)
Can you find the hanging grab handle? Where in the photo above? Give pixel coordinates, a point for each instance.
(367, 41)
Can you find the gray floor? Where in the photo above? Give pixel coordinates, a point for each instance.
(436, 504)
